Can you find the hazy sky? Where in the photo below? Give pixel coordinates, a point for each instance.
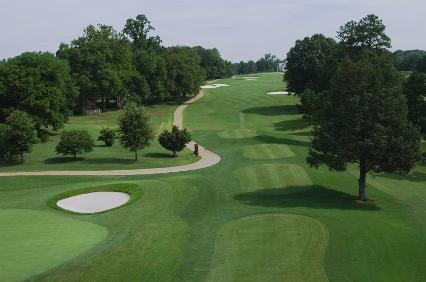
(240, 29)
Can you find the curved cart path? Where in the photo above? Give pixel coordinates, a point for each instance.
(208, 158)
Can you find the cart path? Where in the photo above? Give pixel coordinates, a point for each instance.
(208, 158)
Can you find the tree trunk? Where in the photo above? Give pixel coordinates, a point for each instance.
(136, 155)
(103, 102)
(75, 156)
(361, 181)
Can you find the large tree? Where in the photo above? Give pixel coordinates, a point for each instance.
(135, 130)
(310, 64)
(101, 63)
(17, 135)
(38, 84)
(363, 120)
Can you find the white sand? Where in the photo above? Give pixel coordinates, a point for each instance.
(278, 93)
(94, 202)
(251, 77)
(213, 86)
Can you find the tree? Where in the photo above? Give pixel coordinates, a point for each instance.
(310, 64)
(415, 93)
(185, 76)
(408, 60)
(309, 103)
(363, 120)
(107, 135)
(74, 142)
(175, 140)
(368, 33)
(421, 64)
(17, 135)
(135, 130)
(38, 84)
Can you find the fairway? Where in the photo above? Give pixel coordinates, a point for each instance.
(260, 214)
(267, 152)
(270, 247)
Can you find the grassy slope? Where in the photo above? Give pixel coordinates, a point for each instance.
(43, 156)
(172, 232)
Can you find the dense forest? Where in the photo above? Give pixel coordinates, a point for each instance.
(103, 69)
(410, 60)
(268, 63)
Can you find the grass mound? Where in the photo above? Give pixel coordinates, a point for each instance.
(267, 151)
(32, 242)
(269, 176)
(128, 188)
(270, 247)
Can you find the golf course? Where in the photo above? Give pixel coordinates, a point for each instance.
(258, 213)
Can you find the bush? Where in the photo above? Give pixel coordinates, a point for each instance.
(75, 142)
(174, 141)
(107, 136)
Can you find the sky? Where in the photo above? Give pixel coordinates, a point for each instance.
(240, 29)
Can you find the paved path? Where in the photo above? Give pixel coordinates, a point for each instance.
(208, 158)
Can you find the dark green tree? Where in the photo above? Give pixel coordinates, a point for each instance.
(38, 84)
(175, 140)
(17, 136)
(310, 64)
(135, 130)
(74, 142)
(363, 120)
(415, 93)
(421, 64)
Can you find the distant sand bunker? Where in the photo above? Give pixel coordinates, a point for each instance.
(94, 202)
(279, 93)
(213, 86)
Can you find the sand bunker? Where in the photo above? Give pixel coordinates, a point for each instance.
(251, 77)
(279, 93)
(213, 86)
(94, 202)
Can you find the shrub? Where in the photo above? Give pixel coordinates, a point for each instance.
(107, 136)
(174, 141)
(75, 142)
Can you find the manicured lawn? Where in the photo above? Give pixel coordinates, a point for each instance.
(44, 157)
(255, 216)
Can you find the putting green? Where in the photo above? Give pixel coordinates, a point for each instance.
(32, 242)
(270, 247)
(267, 151)
(270, 176)
(237, 133)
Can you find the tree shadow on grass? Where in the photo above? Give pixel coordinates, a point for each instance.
(273, 110)
(110, 161)
(315, 196)
(158, 155)
(61, 160)
(275, 140)
(296, 124)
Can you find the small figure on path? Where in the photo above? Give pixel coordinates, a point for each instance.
(195, 150)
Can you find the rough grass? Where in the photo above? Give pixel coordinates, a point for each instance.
(44, 157)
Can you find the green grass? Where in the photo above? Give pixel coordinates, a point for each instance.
(44, 157)
(264, 219)
(32, 242)
(267, 151)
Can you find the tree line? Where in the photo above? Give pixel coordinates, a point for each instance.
(364, 111)
(410, 60)
(269, 63)
(102, 69)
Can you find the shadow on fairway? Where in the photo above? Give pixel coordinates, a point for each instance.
(158, 155)
(317, 197)
(61, 160)
(296, 124)
(273, 110)
(275, 140)
(413, 176)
